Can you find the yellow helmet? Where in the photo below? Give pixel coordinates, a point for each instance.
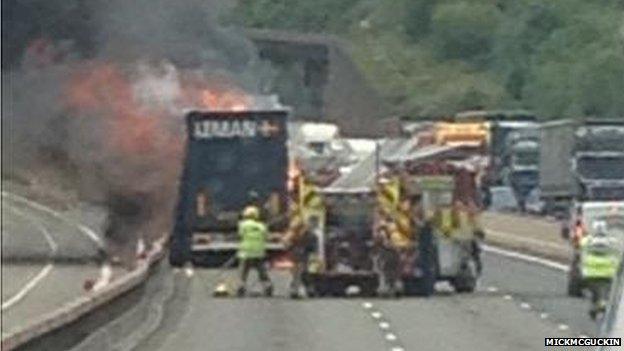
(251, 212)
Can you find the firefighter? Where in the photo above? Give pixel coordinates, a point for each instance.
(599, 262)
(469, 227)
(301, 246)
(252, 249)
(390, 243)
(424, 225)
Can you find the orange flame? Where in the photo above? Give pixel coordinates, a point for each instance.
(216, 96)
(104, 90)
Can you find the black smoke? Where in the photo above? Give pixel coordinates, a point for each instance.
(44, 42)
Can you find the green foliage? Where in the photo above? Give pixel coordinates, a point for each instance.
(300, 15)
(464, 30)
(417, 18)
(562, 58)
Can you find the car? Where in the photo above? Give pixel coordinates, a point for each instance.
(534, 204)
(502, 199)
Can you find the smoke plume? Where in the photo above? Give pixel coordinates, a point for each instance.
(95, 90)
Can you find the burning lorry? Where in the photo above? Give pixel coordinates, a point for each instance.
(233, 159)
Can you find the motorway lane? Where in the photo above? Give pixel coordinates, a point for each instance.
(543, 288)
(15, 277)
(20, 235)
(494, 318)
(62, 285)
(33, 284)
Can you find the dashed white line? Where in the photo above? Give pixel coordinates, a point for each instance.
(27, 288)
(385, 326)
(563, 327)
(543, 315)
(525, 306)
(508, 297)
(189, 272)
(391, 337)
(492, 289)
(583, 336)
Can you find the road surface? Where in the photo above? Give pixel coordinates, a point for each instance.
(517, 305)
(36, 275)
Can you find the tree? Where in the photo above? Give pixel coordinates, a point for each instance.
(417, 19)
(464, 31)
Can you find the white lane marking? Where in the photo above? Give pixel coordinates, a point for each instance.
(42, 273)
(27, 288)
(543, 315)
(525, 306)
(84, 229)
(189, 272)
(384, 325)
(525, 257)
(508, 297)
(397, 348)
(367, 305)
(516, 238)
(583, 336)
(391, 337)
(563, 327)
(43, 230)
(376, 315)
(492, 289)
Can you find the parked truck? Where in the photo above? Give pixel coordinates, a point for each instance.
(507, 129)
(521, 160)
(583, 160)
(233, 159)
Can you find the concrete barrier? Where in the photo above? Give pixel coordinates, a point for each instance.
(73, 311)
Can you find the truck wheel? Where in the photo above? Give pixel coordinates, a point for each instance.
(575, 288)
(466, 281)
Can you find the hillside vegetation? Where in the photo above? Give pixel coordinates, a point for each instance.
(561, 58)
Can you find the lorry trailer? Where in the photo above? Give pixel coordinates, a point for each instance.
(583, 160)
(232, 160)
